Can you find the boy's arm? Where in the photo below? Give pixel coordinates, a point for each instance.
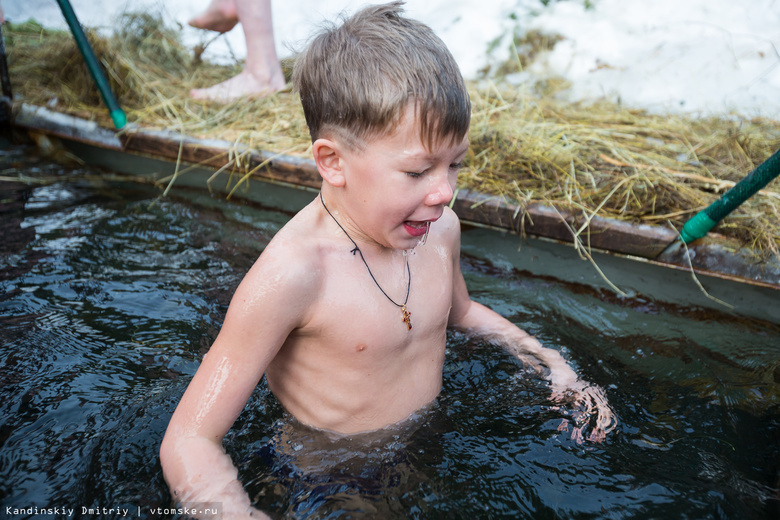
(473, 317)
(266, 307)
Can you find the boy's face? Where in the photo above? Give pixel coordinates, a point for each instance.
(394, 186)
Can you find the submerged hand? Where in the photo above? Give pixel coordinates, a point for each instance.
(587, 402)
(589, 409)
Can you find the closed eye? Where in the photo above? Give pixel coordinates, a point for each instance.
(415, 175)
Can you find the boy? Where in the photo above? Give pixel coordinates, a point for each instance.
(348, 328)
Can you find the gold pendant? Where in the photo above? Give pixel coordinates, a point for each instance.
(407, 317)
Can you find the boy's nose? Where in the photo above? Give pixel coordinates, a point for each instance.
(441, 192)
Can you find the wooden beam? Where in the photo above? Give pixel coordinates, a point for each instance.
(543, 220)
(41, 119)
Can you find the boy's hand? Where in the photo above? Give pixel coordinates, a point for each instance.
(589, 402)
(586, 402)
(589, 408)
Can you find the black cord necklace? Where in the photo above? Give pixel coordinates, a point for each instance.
(407, 316)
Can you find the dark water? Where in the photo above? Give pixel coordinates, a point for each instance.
(110, 296)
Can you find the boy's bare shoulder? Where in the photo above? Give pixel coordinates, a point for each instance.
(449, 226)
(288, 268)
(450, 218)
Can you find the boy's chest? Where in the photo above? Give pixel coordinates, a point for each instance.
(375, 310)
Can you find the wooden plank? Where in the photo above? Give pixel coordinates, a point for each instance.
(43, 120)
(646, 241)
(536, 219)
(543, 220)
(217, 154)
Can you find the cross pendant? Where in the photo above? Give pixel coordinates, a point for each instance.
(407, 317)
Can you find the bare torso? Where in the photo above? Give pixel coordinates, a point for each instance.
(354, 366)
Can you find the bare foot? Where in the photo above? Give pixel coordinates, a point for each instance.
(243, 85)
(220, 16)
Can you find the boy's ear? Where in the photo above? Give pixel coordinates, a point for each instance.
(329, 160)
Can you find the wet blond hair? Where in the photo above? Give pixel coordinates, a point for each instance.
(356, 80)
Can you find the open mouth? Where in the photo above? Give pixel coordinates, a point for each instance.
(417, 228)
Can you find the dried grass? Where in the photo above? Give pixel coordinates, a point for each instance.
(525, 146)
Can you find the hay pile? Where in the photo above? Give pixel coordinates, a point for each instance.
(525, 146)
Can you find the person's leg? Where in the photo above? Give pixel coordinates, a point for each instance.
(262, 74)
(219, 16)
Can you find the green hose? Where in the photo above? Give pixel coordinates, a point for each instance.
(117, 114)
(706, 219)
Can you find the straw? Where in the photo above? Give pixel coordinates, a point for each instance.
(526, 145)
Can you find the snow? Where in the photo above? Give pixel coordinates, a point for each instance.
(666, 55)
(696, 56)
